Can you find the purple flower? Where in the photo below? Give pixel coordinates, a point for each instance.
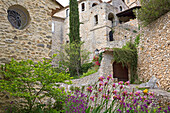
(101, 78)
(120, 83)
(127, 111)
(168, 108)
(108, 77)
(89, 89)
(92, 98)
(114, 85)
(119, 110)
(165, 111)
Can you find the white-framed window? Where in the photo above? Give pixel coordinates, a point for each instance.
(53, 27)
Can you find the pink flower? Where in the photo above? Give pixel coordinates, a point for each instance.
(100, 89)
(92, 98)
(137, 93)
(114, 92)
(109, 76)
(127, 83)
(121, 87)
(124, 93)
(114, 85)
(106, 83)
(101, 78)
(120, 83)
(101, 84)
(131, 93)
(89, 89)
(97, 63)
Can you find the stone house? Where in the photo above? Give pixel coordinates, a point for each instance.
(99, 20)
(25, 31)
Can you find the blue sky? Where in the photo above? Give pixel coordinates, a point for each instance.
(66, 2)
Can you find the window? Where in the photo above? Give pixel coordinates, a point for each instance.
(111, 36)
(67, 12)
(128, 1)
(53, 27)
(18, 16)
(94, 4)
(83, 7)
(123, 0)
(120, 8)
(96, 19)
(111, 18)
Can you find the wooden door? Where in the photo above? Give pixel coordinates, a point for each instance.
(120, 72)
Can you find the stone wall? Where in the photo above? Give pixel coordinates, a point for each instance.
(32, 42)
(154, 52)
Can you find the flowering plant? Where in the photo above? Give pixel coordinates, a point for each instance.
(118, 98)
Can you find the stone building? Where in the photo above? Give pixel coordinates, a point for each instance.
(99, 21)
(112, 24)
(25, 29)
(97, 18)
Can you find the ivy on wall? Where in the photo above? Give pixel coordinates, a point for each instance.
(127, 55)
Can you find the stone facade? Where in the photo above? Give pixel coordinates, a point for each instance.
(95, 35)
(154, 52)
(33, 41)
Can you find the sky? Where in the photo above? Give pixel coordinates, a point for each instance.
(66, 2)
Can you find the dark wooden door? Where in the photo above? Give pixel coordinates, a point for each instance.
(120, 72)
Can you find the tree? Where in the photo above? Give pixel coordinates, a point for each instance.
(74, 37)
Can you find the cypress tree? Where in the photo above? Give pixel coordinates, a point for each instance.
(74, 36)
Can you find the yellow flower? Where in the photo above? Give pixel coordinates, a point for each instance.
(145, 91)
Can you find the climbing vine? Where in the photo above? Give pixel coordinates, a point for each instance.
(127, 55)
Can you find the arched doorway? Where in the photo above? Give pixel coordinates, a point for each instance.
(120, 72)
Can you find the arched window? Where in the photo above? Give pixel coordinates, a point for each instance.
(18, 16)
(94, 4)
(83, 7)
(120, 8)
(123, 0)
(67, 12)
(111, 36)
(111, 18)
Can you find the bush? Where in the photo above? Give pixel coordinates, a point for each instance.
(152, 10)
(85, 67)
(30, 81)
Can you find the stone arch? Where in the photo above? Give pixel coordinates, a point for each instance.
(94, 4)
(18, 16)
(111, 18)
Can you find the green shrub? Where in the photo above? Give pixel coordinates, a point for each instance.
(85, 67)
(88, 73)
(152, 10)
(30, 81)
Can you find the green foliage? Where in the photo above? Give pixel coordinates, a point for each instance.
(88, 73)
(127, 55)
(68, 58)
(85, 67)
(100, 57)
(152, 10)
(74, 37)
(30, 81)
(137, 40)
(134, 31)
